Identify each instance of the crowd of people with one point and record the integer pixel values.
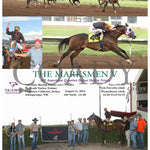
(80, 129)
(134, 130)
(17, 131)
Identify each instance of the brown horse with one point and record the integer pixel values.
(78, 42)
(116, 125)
(105, 2)
(13, 61)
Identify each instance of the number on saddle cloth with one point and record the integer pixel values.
(96, 40)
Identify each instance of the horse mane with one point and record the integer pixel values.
(117, 26)
(99, 119)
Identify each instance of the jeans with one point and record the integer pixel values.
(140, 139)
(12, 142)
(79, 137)
(72, 138)
(127, 133)
(35, 139)
(21, 138)
(85, 136)
(133, 139)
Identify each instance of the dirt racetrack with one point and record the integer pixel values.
(86, 62)
(90, 146)
(17, 8)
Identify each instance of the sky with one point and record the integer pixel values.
(28, 25)
(57, 108)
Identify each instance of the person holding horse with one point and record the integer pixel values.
(35, 53)
(98, 28)
(126, 126)
(11, 133)
(16, 36)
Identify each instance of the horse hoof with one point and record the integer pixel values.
(54, 65)
(115, 12)
(45, 6)
(129, 61)
(119, 143)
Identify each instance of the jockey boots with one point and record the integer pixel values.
(98, 34)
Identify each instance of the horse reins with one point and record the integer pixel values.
(124, 32)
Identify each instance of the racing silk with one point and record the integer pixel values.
(107, 115)
(15, 35)
(101, 25)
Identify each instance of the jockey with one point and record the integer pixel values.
(98, 28)
(16, 36)
(107, 115)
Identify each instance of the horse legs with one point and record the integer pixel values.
(119, 5)
(73, 55)
(114, 8)
(63, 56)
(104, 6)
(99, 4)
(127, 57)
(120, 51)
(103, 139)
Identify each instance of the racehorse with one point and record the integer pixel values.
(117, 124)
(13, 61)
(105, 2)
(48, 2)
(78, 42)
(74, 2)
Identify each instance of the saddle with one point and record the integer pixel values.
(96, 40)
(110, 123)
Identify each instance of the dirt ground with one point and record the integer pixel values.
(17, 8)
(86, 62)
(90, 146)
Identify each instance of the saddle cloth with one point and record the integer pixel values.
(96, 40)
(109, 124)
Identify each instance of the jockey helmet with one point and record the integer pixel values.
(16, 26)
(105, 108)
(108, 25)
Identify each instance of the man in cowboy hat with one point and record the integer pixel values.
(35, 53)
(34, 131)
(16, 35)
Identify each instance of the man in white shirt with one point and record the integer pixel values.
(79, 131)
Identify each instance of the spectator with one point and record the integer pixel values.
(20, 128)
(133, 132)
(79, 131)
(126, 126)
(34, 131)
(11, 133)
(72, 133)
(85, 131)
(140, 131)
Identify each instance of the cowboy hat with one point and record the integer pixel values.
(35, 119)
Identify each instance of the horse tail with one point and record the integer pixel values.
(63, 42)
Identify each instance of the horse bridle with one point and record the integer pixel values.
(130, 34)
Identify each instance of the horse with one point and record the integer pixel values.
(48, 2)
(74, 2)
(78, 42)
(116, 125)
(13, 61)
(105, 2)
